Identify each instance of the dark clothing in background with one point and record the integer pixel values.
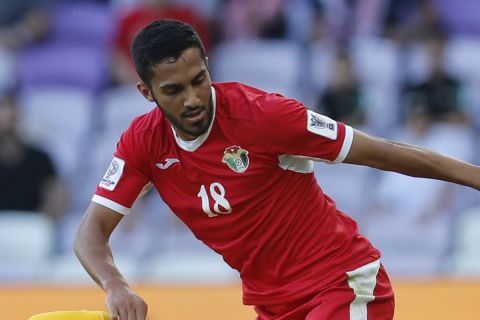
(340, 103)
(22, 184)
(440, 95)
(343, 104)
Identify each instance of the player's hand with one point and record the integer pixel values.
(124, 304)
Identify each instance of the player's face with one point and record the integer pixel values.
(182, 89)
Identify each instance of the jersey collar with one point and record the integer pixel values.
(193, 145)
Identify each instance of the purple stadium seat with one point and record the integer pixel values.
(78, 66)
(75, 53)
(82, 23)
(460, 16)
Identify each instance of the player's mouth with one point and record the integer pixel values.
(195, 115)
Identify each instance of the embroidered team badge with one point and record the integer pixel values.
(236, 158)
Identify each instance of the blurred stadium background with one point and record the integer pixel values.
(403, 69)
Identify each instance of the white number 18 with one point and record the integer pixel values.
(217, 192)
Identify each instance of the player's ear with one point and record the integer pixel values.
(145, 91)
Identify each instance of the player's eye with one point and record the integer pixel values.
(198, 81)
(171, 91)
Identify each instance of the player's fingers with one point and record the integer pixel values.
(123, 314)
(131, 314)
(141, 313)
(112, 310)
(113, 313)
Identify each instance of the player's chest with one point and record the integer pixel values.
(227, 161)
(215, 179)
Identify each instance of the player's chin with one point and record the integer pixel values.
(200, 128)
(196, 129)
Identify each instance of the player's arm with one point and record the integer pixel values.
(410, 160)
(93, 251)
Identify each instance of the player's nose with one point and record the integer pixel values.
(192, 98)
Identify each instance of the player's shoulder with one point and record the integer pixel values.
(143, 128)
(146, 122)
(237, 90)
(240, 99)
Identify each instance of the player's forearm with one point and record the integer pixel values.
(410, 160)
(94, 253)
(419, 162)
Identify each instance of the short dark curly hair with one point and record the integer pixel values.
(159, 40)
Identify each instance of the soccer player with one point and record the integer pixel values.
(234, 163)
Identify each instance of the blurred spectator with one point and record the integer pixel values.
(440, 92)
(22, 22)
(340, 18)
(297, 20)
(407, 20)
(28, 180)
(319, 26)
(134, 18)
(251, 19)
(368, 15)
(426, 21)
(342, 99)
(396, 15)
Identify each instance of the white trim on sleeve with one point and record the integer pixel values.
(296, 163)
(111, 204)
(347, 144)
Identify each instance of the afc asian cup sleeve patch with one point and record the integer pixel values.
(321, 125)
(113, 174)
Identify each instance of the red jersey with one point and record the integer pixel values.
(246, 188)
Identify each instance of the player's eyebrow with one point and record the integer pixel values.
(170, 85)
(201, 73)
(174, 85)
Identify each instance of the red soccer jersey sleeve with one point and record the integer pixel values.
(290, 128)
(127, 174)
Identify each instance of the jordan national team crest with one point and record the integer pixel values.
(236, 158)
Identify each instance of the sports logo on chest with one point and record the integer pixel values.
(236, 158)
